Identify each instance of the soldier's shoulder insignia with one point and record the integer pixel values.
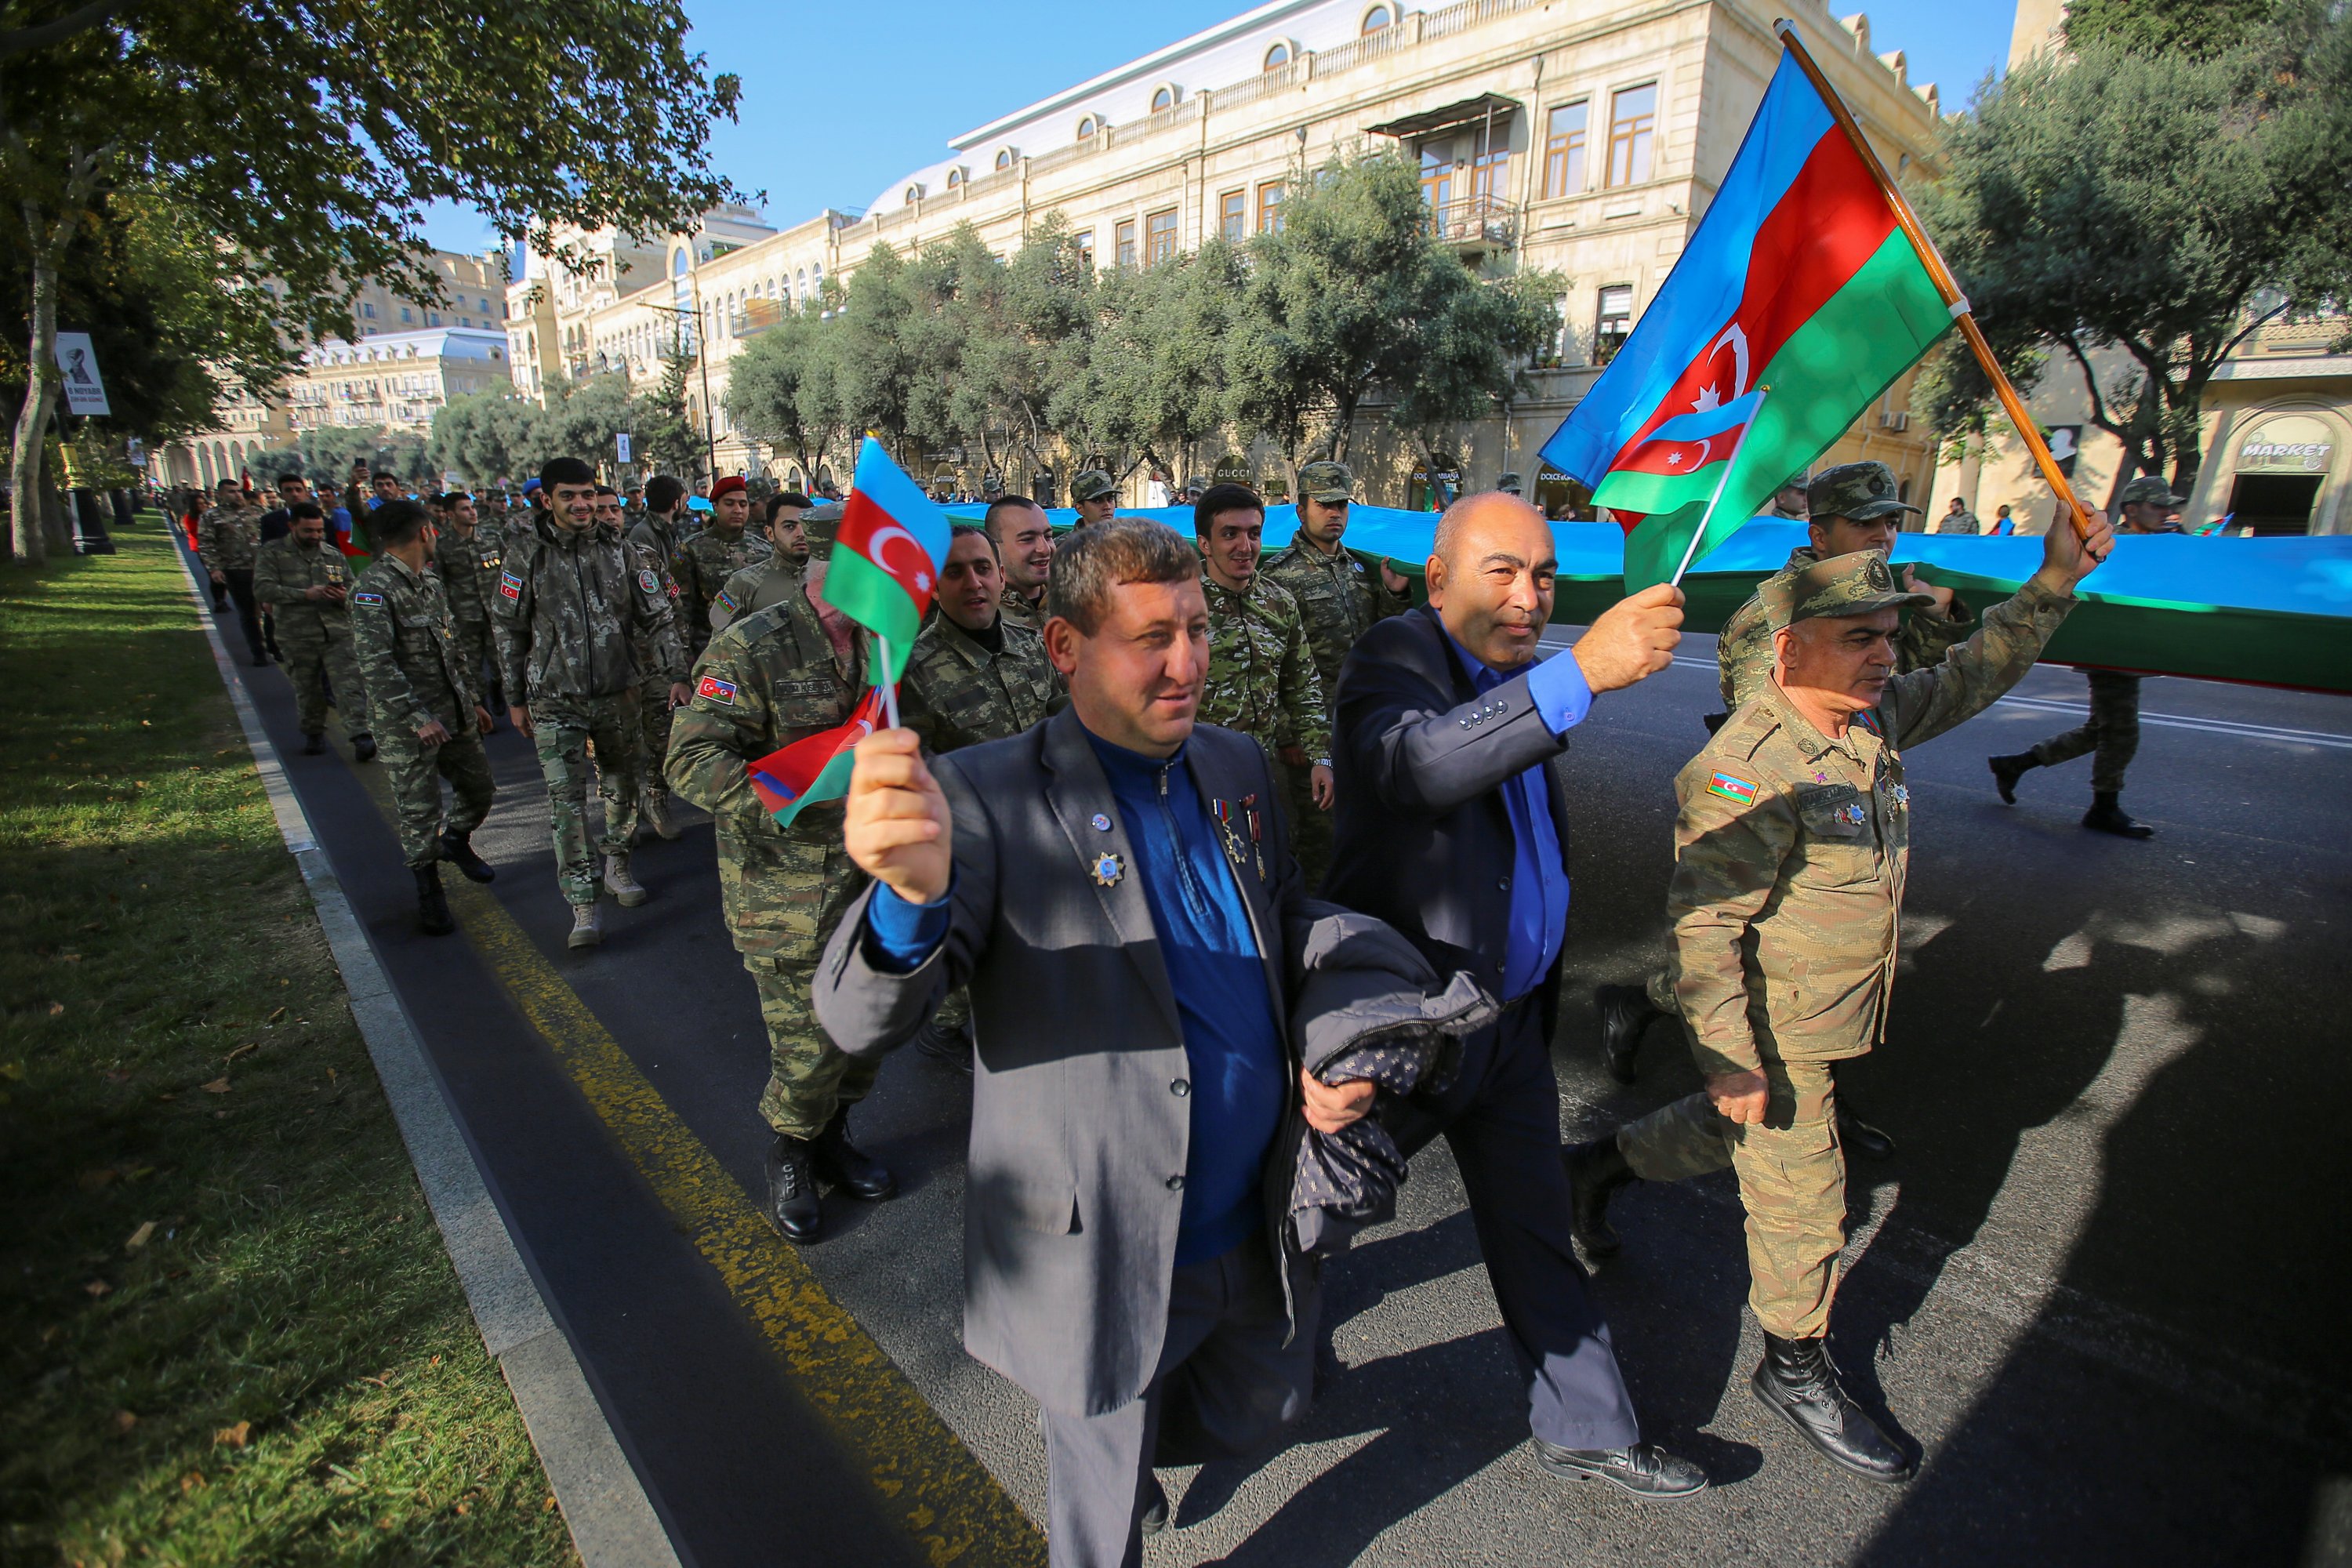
(1732, 789)
(647, 580)
(510, 585)
(726, 601)
(369, 598)
(718, 690)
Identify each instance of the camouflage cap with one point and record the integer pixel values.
(2148, 491)
(1862, 492)
(1092, 484)
(1510, 484)
(818, 526)
(1861, 583)
(1330, 483)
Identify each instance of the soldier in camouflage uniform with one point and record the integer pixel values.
(422, 685)
(468, 557)
(1025, 548)
(1261, 679)
(653, 705)
(1339, 597)
(304, 581)
(778, 577)
(572, 598)
(787, 672)
(1852, 507)
(227, 540)
(974, 676)
(708, 559)
(1791, 851)
(1095, 495)
(2113, 733)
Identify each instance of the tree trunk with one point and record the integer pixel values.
(27, 537)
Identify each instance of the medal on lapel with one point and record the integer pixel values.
(1108, 870)
(1228, 833)
(1257, 834)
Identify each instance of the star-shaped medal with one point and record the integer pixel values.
(1108, 870)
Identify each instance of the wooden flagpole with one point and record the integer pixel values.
(1946, 284)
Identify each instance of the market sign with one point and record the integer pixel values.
(2298, 443)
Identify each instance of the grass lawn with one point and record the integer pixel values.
(228, 1333)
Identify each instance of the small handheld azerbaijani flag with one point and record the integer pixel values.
(1682, 462)
(886, 556)
(814, 767)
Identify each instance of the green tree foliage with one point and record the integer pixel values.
(2199, 27)
(783, 389)
(2155, 203)
(875, 349)
(663, 433)
(486, 436)
(307, 136)
(580, 419)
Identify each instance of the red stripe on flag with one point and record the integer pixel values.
(864, 525)
(1830, 222)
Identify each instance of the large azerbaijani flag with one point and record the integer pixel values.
(814, 767)
(1798, 281)
(886, 558)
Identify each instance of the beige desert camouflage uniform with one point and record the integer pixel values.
(764, 682)
(314, 634)
(567, 613)
(1790, 850)
(468, 565)
(1338, 597)
(417, 669)
(703, 564)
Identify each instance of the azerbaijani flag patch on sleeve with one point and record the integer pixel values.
(365, 596)
(718, 690)
(1730, 788)
(726, 601)
(510, 585)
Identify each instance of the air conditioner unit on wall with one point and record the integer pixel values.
(1888, 420)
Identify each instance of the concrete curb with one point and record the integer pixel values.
(612, 1521)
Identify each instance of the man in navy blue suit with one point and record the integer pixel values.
(1453, 828)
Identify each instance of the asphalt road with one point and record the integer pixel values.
(2104, 1285)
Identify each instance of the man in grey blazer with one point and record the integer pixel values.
(1114, 888)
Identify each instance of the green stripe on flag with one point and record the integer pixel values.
(1855, 346)
(1628, 489)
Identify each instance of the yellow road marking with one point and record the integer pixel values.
(942, 1495)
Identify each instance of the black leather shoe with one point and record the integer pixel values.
(952, 1046)
(1625, 1013)
(792, 1189)
(847, 1166)
(1798, 1381)
(457, 849)
(2108, 817)
(433, 917)
(2007, 771)
(1595, 1171)
(1862, 1138)
(363, 748)
(1154, 1517)
(1645, 1470)
(314, 746)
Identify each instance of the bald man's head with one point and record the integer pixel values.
(1490, 577)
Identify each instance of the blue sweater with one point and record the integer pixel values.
(1239, 1072)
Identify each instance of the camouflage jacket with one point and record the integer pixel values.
(227, 537)
(468, 565)
(1019, 611)
(704, 564)
(658, 535)
(1790, 850)
(1262, 680)
(1743, 649)
(404, 637)
(956, 693)
(764, 682)
(285, 570)
(649, 559)
(1338, 596)
(568, 611)
(758, 586)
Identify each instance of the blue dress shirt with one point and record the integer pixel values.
(1538, 873)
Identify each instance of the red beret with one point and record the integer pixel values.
(728, 485)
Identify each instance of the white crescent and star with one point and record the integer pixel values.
(877, 544)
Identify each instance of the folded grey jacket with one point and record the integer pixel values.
(1370, 1008)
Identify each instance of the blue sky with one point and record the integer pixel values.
(816, 129)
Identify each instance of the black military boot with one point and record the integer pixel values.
(1595, 1171)
(847, 1166)
(457, 849)
(791, 1188)
(2108, 817)
(433, 917)
(2007, 771)
(952, 1046)
(1860, 1136)
(363, 748)
(1797, 1380)
(314, 746)
(1625, 1014)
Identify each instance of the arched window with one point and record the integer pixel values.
(1087, 126)
(914, 194)
(1278, 56)
(1163, 97)
(1378, 17)
(678, 262)
(955, 178)
(1004, 157)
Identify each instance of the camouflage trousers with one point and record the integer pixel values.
(2112, 733)
(653, 715)
(784, 894)
(1792, 1171)
(478, 651)
(316, 658)
(1310, 825)
(566, 727)
(416, 770)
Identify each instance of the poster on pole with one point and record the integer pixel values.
(85, 392)
(621, 445)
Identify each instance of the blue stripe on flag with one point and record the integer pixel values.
(884, 483)
(1708, 422)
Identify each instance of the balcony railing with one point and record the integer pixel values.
(1480, 220)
